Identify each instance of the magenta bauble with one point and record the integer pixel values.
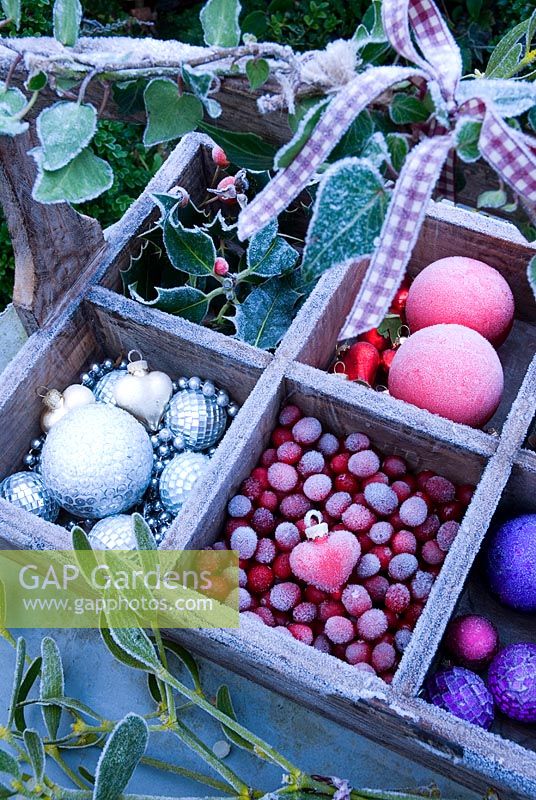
(471, 640)
(512, 681)
(449, 370)
(462, 291)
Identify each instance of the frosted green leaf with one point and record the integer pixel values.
(135, 643)
(348, 215)
(169, 114)
(11, 101)
(406, 109)
(258, 72)
(187, 659)
(9, 126)
(67, 16)
(243, 149)
(268, 254)
(186, 301)
(119, 654)
(308, 123)
(201, 84)
(8, 764)
(376, 150)
(398, 149)
(20, 658)
(36, 751)
(11, 9)
(494, 198)
(120, 757)
(509, 50)
(37, 81)
(142, 533)
(371, 29)
(189, 249)
(355, 138)
(219, 19)
(52, 683)
(64, 130)
(29, 679)
(225, 704)
(531, 274)
(510, 98)
(467, 137)
(264, 316)
(82, 179)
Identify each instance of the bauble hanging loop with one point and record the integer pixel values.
(142, 393)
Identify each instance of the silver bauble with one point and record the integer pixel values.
(113, 533)
(179, 477)
(200, 419)
(104, 388)
(97, 461)
(27, 490)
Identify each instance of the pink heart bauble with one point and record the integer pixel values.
(328, 562)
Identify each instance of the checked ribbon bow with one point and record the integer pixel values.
(511, 153)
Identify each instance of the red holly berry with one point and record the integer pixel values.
(221, 267)
(260, 474)
(289, 416)
(339, 463)
(219, 157)
(399, 303)
(227, 183)
(269, 457)
(346, 483)
(268, 499)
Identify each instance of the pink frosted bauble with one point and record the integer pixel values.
(472, 641)
(462, 291)
(449, 370)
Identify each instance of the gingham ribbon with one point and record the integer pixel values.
(509, 152)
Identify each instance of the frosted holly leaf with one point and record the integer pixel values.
(264, 316)
(170, 115)
(348, 215)
(219, 19)
(190, 250)
(82, 179)
(509, 98)
(64, 130)
(201, 84)
(185, 301)
(268, 254)
(120, 757)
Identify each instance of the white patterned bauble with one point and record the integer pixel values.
(200, 419)
(97, 461)
(179, 478)
(104, 388)
(27, 490)
(113, 533)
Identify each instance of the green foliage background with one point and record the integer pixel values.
(303, 24)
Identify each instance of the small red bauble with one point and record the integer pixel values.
(361, 362)
(376, 339)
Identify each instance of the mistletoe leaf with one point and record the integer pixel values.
(531, 274)
(286, 155)
(190, 250)
(219, 19)
(67, 18)
(29, 679)
(264, 316)
(258, 72)
(82, 179)
(245, 150)
(52, 683)
(11, 9)
(508, 51)
(406, 109)
(185, 301)
(64, 130)
(187, 659)
(201, 84)
(268, 254)
(36, 751)
(118, 653)
(143, 534)
(224, 703)
(20, 659)
(349, 211)
(467, 138)
(8, 764)
(136, 644)
(120, 757)
(169, 114)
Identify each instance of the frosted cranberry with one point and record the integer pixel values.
(451, 511)
(287, 536)
(311, 463)
(356, 442)
(440, 490)
(307, 430)
(402, 490)
(367, 668)
(381, 498)
(322, 644)
(368, 565)
(336, 594)
(421, 585)
(330, 608)
(394, 466)
(244, 599)
(282, 477)
(339, 630)
(428, 529)
(464, 493)
(376, 587)
(260, 474)
(372, 624)
(269, 457)
(243, 563)
(403, 566)
(356, 599)
(364, 541)
(220, 546)
(281, 567)
(285, 596)
(403, 542)
(358, 518)
(289, 416)
(245, 541)
(302, 633)
(232, 524)
(380, 532)
(402, 639)
(378, 477)
(397, 598)
(280, 435)
(423, 477)
(395, 521)
(260, 578)
(383, 554)
(317, 487)
(359, 499)
(294, 506)
(304, 612)
(314, 595)
(289, 453)
(266, 615)
(392, 619)
(281, 618)
(239, 506)
(412, 615)
(383, 657)
(364, 463)
(242, 578)
(251, 488)
(346, 483)
(413, 511)
(339, 463)
(328, 444)
(265, 552)
(268, 500)
(446, 535)
(358, 653)
(432, 553)
(263, 521)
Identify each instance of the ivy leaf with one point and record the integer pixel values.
(531, 274)
(128, 96)
(120, 757)
(9, 126)
(264, 316)
(289, 151)
(355, 138)
(12, 102)
(8, 764)
(36, 750)
(37, 81)
(64, 130)
(170, 115)
(268, 254)
(467, 138)
(189, 249)
(390, 326)
(52, 683)
(11, 9)
(376, 150)
(398, 147)
(225, 704)
(257, 24)
(82, 179)
(349, 211)
(219, 19)
(20, 658)
(371, 29)
(67, 18)
(185, 301)
(245, 150)
(406, 109)
(495, 198)
(201, 83)
(258, 72)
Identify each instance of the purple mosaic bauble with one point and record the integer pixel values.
(512, 681)
(511, 556)
(463, 693)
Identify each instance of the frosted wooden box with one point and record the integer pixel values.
(93, 321)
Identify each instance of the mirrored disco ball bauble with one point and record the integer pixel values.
(97, 461)
(198, 418)
(512, 681)
(104, 388)
(27, 490)
(113, 533)
(179, 477)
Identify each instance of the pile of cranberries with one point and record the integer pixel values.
(356, 589)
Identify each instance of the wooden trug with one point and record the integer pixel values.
(94, 321)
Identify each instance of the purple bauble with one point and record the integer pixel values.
(463, 693)
(512, 681)
(511, 556)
